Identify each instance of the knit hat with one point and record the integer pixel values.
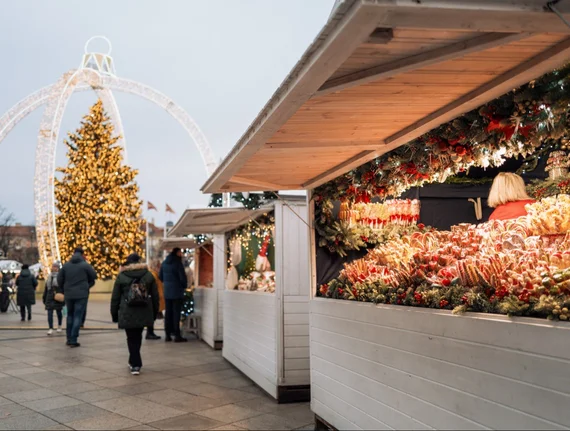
(133, 258)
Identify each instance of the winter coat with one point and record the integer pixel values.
(27, 284)
(76, 277)
(49, 293)
(173, 276)
(161, 304)
(129, 317)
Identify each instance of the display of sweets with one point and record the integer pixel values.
(378, 215)
(557, 159)
(550, 216)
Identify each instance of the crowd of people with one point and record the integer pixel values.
(141, 294)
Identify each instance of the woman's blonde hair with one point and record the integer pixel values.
(507, 187)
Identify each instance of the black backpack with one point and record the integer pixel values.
(138, 294)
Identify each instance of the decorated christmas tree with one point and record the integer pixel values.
(96, 197)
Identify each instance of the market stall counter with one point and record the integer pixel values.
(465, 328)
(261, 279)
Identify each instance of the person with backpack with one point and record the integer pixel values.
(75, 279)
(26, 293)
(53, 298)
(134, 306)
(173, 277)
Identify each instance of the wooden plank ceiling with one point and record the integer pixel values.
(363, 89)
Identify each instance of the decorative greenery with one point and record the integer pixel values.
(539, 189)
(516, 124)
(252, 201)
(96, 197)
(463, 181)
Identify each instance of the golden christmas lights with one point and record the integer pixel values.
(97, 198)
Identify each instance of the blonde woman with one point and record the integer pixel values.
(508, 196)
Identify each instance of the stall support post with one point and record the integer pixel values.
(220, 247)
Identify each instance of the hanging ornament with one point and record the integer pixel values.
(262, 263)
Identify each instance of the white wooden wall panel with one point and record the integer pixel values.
(293, 277)
(206, 304)
(250, 336)
(413, 368)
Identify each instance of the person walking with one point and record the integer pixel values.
(134, 305)
(51, 292)
(173, 276)
(26, 294)
(75, 279)
(154, 269)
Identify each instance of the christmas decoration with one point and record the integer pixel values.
(250, 253)
(495, 267)
(187, 305)
(539, 189)
(535, 116)
(253, 201)
(97, 198)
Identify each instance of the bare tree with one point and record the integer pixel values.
(6, 221)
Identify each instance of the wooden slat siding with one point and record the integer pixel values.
(250, 336)
(205, 303)
(295, 279)
(371, 413)
(220, 264)
(441, 370)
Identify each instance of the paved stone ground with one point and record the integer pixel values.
(46, 385)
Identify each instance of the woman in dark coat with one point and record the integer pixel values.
(130, 317)
(26, 296)
(49, 298)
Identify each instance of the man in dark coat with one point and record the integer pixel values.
(75, 278)
(26, 296)
(134, 318)
(173, 276)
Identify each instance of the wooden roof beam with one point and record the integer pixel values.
(255, 183)
(327, 145)
(538, 65)
(380, 36)
(408, 64)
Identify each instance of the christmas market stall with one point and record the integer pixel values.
(413, 327)
(210, 259)
(265, 277)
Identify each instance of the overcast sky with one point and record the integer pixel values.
(219, 60)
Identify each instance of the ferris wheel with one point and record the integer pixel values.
(96, 72)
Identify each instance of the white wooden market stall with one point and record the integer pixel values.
(209, 274)
(378, 75)
(265, 335)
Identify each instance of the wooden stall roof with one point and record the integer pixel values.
(180, 242)
(383, 72)
(213, 220)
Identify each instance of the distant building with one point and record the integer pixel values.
(19, 243)
(155, 234)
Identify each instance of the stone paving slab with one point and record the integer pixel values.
(46, 385)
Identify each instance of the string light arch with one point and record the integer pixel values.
(96, 72)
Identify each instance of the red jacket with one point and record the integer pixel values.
(510, 210)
